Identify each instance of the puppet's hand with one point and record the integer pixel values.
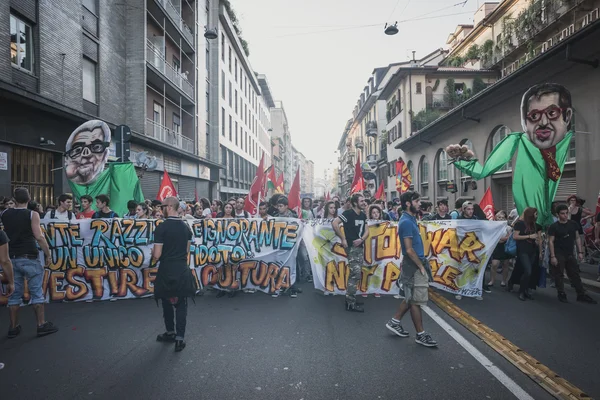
(458, 152)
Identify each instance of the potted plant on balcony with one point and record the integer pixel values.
(474, 53)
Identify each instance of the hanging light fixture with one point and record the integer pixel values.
(210, 33)
(391, 29)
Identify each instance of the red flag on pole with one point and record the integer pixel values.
(166, 188)
(487, 204)
(403, 178)
(380, 195)
(280, 188)
(327, 197)
(257, 189)
(294, 202)
(358, 184)
(196, 195)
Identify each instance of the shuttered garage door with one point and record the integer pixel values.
(507, 200)
(566, 187)
(150, 184)
(186, 189)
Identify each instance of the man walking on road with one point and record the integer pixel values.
(355, 233)
(22, 226)
(563, 236)
(414, 276)
(174, 281)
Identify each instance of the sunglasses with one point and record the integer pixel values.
(552, 113)
(95, 147)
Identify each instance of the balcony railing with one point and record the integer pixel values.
(179, 22)
(359, 144)
(372, 128)
(155, 57)
(371, 158)
(169, 136)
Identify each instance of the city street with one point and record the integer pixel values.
(257, 347)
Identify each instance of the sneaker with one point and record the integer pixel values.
(113, 299)
(166, 337)
(397, 329)
(397, 296)
(326, 293)
(275, 295)
(354, 307)
(584, 298)
(89, 301)
(425, 340)
(298, 290)
(179, 345)
(365, 295)
(13, 333)
(478, 298)
(309, 279)
(562, 297)
(458, 297)
(377, 295)
(487, 289)
(47, 328)
(293, 294)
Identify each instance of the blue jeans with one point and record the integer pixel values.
(33, 271)
(175, 316)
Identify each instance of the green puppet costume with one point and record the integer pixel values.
(531, 186)
(119, 181)
(543, 147)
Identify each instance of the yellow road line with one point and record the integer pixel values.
(544, 376)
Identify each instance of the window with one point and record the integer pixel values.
(236, 102)
(442, 166)
(230, 95)
(572, 150)
(230, 66)
(230, 129)
(176, 64)
(223, 84)
(419, 87)
(236, 134)
(21, 44)
(499, 134)
(176, 123)
(223, 122)
(424, 177)
(222, 47)
(90, 5)
(236, 70)
(89, 80)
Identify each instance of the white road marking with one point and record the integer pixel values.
(511, 385)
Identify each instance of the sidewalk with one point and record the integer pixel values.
(589, 274)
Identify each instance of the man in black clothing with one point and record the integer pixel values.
(22, 226)
(442, 206)
(353, 238)
(468, 211)
(563, 236)
(104, 211)
(174, 281)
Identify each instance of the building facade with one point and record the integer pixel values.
(244, 117)
(69, 62)
(281, 131)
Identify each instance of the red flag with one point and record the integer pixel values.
(272, 179)
(196, 195)
(166, 188)
(328, 197)
(257, 189)
(487, 204)
(358, 184)
(294, 202)
(403, 178)
(279, 188)
(380, 195)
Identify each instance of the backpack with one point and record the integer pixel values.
(454, 214)
(510, 247)
(53, 214)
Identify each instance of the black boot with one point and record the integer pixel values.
(354, 307)
(179, 345)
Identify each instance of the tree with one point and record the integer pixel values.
(478, 85)
(236, 26)
(473, 53)
(424, 118)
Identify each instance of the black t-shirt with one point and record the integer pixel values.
(3, 238)
(174, 235)
(528, 246)
(564, 236)
(437, 216)
(17, 226)
(100, 214)
(354, 225)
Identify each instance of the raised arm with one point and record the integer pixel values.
(500, 155)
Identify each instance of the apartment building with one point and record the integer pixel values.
(559, 46)
(281, 132)
(72, 61)
(244, 117)
(417, 92)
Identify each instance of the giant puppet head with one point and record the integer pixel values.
(87, 152)
(546, 114)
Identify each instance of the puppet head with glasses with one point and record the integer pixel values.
(87, 152)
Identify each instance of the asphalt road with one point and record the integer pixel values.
(257, 347)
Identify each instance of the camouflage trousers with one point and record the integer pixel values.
(355, 261)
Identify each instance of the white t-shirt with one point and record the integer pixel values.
(61, 216)
(206, 212)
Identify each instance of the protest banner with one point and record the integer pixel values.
(458, 252)
(110, 258)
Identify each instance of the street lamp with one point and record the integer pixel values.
(391, 29)
(210, 33)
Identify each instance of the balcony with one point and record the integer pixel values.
(169, 136)
(372, 158)
(157, 59)
(382, 154)
(359, 144)
(372, 129)
(178, 21)
(439, 102)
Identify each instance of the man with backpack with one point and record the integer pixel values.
(64, 210)
(457, 209)
(239, 208)
(104, 211)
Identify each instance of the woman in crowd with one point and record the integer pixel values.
(216, 208)
(206, 210)
(330, 210)
(157, 214)
(528, 235)
(227, 211)
(578, 213)
(307, 208)
(197, 211)
(142, 211)
(375, 212)
(499, 256)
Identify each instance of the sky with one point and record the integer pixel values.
(319, 54)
